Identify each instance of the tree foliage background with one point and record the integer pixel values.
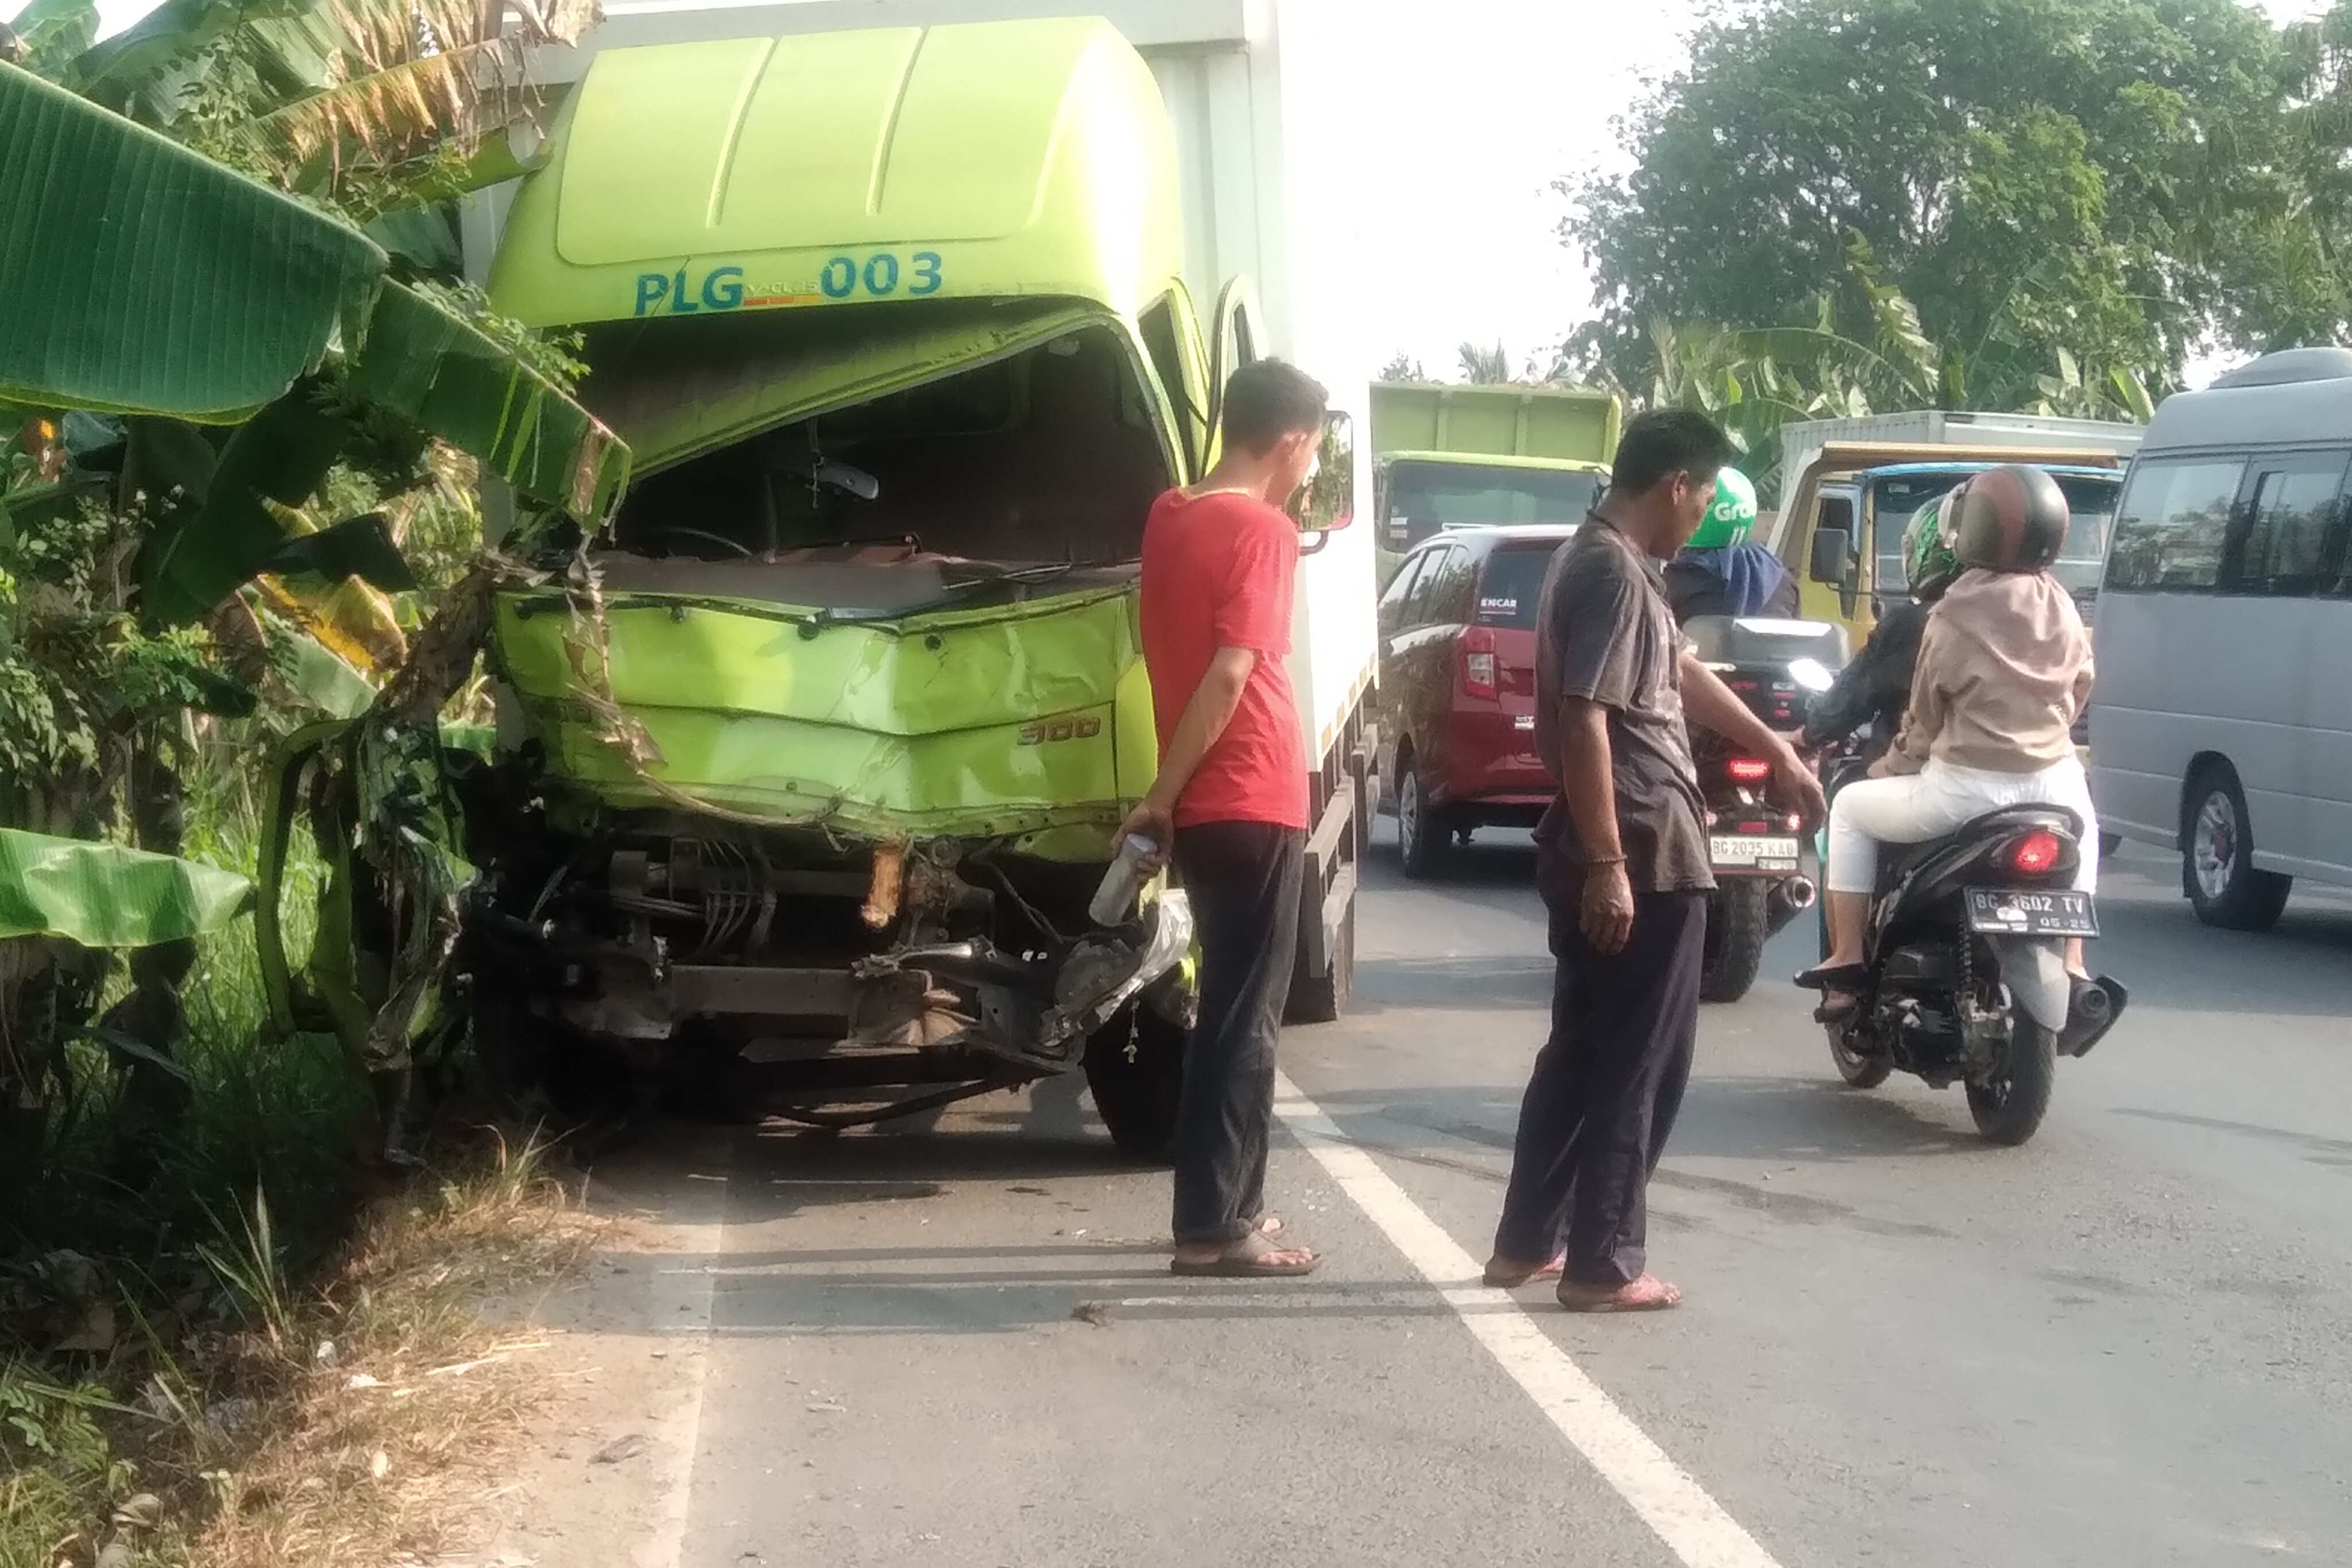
(2073, 196)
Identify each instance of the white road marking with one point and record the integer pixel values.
(1692, 1525)
(679, 1308)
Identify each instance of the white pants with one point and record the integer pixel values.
(1929, 803)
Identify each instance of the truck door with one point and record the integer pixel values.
(1237, 338)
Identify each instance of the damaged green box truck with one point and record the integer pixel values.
(812, 761)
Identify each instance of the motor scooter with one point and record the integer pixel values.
(1965, 963)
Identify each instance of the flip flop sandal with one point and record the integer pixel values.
(1247, 1258)
(1509, 1273)
(1647, 1294)
(1837, 1006)
(1833, 977)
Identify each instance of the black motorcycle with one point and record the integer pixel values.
(1965, 959)
(1766, 869)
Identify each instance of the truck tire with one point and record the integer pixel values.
(1736, 920)
(1424, 840)
(1323, 998)
(1135, 1066)
(2217, 856)
(530, 1072)
(2008, 1109)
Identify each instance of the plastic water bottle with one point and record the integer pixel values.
(1122, 883)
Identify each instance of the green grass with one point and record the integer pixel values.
(198, 1230)
(166, 1287)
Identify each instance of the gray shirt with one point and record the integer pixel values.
(1605, 632)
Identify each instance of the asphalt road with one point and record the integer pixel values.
(2128, 1342)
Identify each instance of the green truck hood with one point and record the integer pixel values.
(1030, 719)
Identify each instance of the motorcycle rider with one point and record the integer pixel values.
(1875, 687)
(2002, 671)
(1719, 572)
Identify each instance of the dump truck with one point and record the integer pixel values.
(819, 751)
(1453, 456)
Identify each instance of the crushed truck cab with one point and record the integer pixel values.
(817, 755)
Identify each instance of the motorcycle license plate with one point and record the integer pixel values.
(2009, 911)
(1752, 852)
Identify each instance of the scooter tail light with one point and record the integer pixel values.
(2036, 853)
(1751, 769)
(1480, 677)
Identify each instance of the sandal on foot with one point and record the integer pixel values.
(1647, 1294)
(1250, 1258)
(1509, 1273)
(1837, 1006)
(1833, 977)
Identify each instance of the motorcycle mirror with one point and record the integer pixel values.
(1810, 674)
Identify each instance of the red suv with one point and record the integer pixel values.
(1458, 687)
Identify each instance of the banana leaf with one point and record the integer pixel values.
(324, 681)
(160, 282)
(444, 374)
(280, 455)
(155, 280)
(55, 31)
(110, 896)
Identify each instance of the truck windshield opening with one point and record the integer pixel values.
(1423, 497)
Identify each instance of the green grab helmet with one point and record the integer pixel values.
(1730, 517)
(1928, 561)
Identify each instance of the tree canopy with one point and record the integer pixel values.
(2068, 188)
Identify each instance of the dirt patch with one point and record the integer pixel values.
(596, 1472)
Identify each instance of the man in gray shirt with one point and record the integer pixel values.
(1621, 860)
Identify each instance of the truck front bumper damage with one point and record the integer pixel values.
(1034, 1010)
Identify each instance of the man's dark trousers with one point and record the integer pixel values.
(1243, 879)
(1606, 1086)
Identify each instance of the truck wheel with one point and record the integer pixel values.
(1323, 998)
(532, 1072)
(2217, 857)
(1424, 841)
(1135, 1066)
(1737, 918)
(2009, 1109)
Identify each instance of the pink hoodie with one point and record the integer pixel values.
(2003, 672)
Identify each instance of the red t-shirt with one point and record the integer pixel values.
(1217, 573)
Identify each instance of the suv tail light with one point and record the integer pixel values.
(1751, 769)
(2036, 853)
(1480, 677)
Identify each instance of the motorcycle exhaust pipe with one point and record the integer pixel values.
(1789, 897)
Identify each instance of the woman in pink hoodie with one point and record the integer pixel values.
(2003, 671)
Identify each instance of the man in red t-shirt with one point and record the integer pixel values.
(1230, 802)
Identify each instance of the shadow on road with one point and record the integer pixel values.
(1470, 983)
(1763, 1119)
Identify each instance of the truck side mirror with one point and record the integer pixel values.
(1326, 502)
(1832, 560)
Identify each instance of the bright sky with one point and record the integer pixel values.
(1471, 110)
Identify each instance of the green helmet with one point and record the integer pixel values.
(1929, 562)
(1730, 516)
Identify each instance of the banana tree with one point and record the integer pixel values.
(384, 108)
(244, 341)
